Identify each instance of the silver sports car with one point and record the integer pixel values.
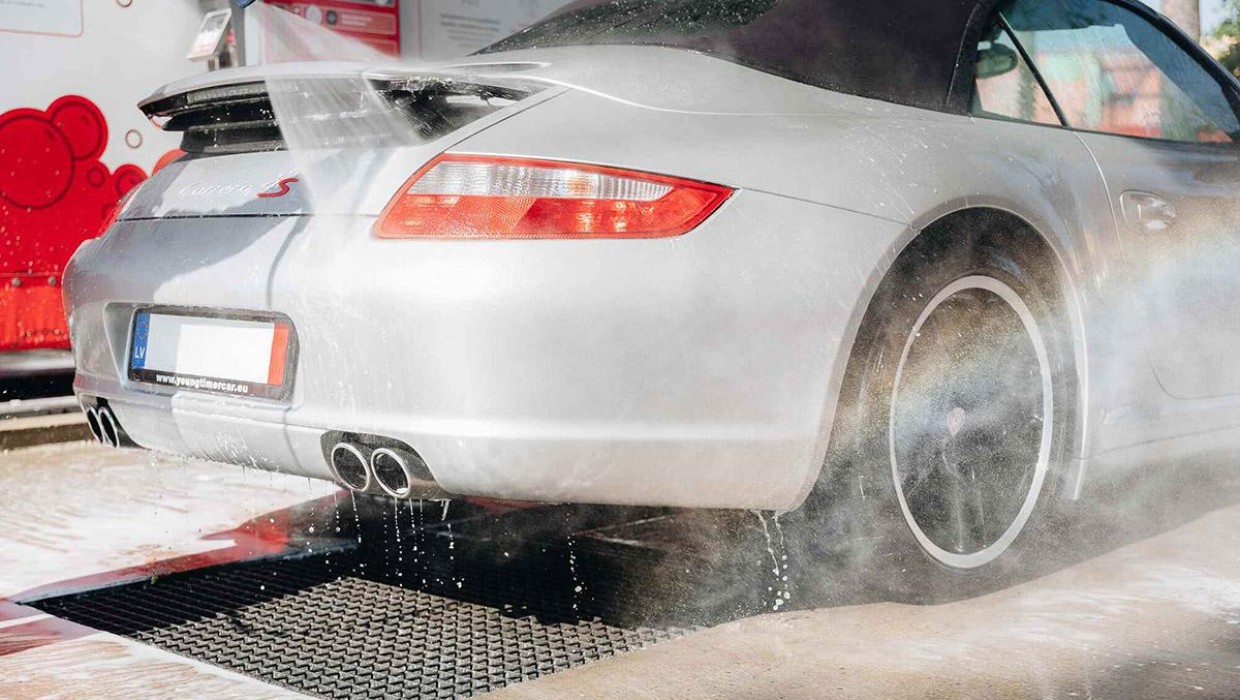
(958, 258)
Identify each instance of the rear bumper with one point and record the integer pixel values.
(697, 371)
(518, 461)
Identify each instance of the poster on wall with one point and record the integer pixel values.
(449, 28)
(55, 17)
(375, 23)
(210, 37)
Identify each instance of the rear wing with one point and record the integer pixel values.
(327, 105)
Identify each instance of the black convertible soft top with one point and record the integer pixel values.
(903, 51)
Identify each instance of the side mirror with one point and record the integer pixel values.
(996, 60)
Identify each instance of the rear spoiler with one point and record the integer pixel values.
(231, 111)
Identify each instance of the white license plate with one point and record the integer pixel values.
(222, 355)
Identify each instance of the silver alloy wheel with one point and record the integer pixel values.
(983, 357)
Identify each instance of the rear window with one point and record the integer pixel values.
(862, 48)
(680, 23)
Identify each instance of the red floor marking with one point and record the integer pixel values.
(41, 630)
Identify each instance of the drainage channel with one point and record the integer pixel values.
(427, 609)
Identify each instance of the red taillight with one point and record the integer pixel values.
(468, 196)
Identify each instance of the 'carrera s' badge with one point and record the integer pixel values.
(281, 188)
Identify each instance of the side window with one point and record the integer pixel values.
(1110, 70)
(1005, 87)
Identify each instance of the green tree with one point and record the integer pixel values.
(1229, 31)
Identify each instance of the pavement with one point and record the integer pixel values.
(78, 516)
(27, 422)
(1140, 600)
(1156, 619)
(28, 431)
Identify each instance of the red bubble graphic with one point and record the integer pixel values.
(54, 194)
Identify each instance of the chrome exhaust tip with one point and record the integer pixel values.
(109, 428)
(402, 473)
(392, 473)
(350, 466)
(92, 422)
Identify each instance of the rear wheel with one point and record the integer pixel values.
(971, 422)
(954, 421)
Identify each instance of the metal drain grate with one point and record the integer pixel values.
(427, 607)
(303, 625)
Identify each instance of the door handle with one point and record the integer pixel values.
(1147, 213)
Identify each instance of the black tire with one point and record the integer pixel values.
(956, 416)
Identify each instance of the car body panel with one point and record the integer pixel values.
(912, 170)
(701, 370)
(668, 371)
(1182, 260)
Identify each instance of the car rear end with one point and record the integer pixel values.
(511, 325)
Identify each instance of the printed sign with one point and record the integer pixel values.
(375, 23)
(210, 35)
(459, 27)
(57, 17)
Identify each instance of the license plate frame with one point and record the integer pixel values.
(284, 347)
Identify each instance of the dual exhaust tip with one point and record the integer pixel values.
(397, 472)
(104, 427)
